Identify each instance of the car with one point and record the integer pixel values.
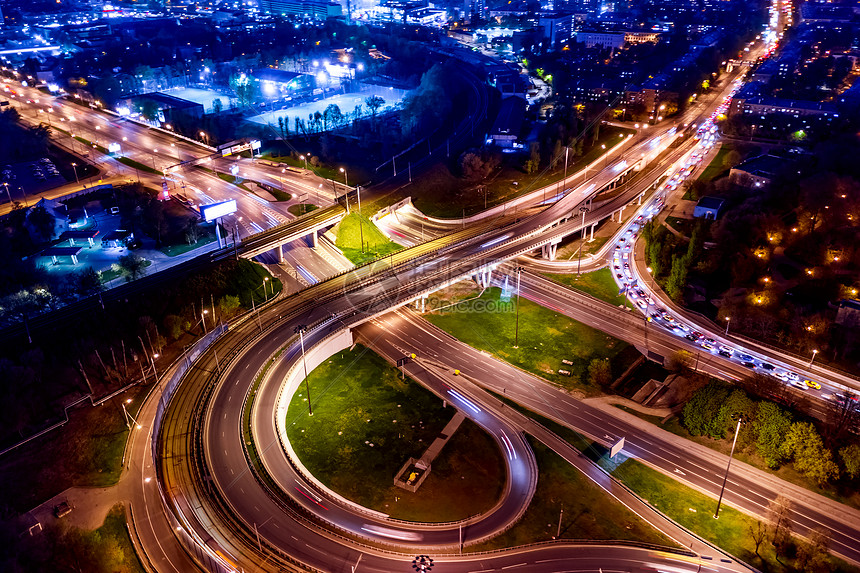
(707, 346)
(767, 366)
(691, 337)
(727, 349)
(641, 304)
(618, 276)
(748, 364)
(725, 353)
(798, 384)
(791, 375)
(745, 357)
(710, 341)
(812, 384)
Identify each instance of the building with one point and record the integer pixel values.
(604, 39)
(757, 172)
(163, 107)
(760, 105)
(557, 28)
(848, 313)
(311, 9)
(506, 129)
(708, 208)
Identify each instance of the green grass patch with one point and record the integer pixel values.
(680, 224)
(280, 195)
(301, 209)
(114, 531)
(85, 452)
(182, 248)
(116, 271)
(589, 512)
(92, 145)
(695, 511)
(367, 422)
(233, 181)
(715, 167)
(138, 165)
(599, 284)
(545, 336)
(355, 228)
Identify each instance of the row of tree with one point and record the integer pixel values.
(769, 431)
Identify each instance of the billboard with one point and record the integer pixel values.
(213, 211)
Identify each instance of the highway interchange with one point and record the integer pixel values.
(201, 461)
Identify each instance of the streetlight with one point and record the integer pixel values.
(814, 352)
(203, 319)
(300, 329)
(265, 288)
(7, 192)
(128, 415)
(305, 159)
(75, 167)
(152, 361)
(519, 270)
(582, 210)
(728, 321)
(741, 420)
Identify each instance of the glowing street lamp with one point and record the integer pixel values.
(814, 352)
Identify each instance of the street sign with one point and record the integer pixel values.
(616, 447)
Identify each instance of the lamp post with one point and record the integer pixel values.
(300, 329)
(305, 159)
(814, 352)
(519, 270)
(7, 191)
(266, 289)
(582, 210)
(741, 420)
(128, 415)
(75, 168)
(728, 321)
(203, 319)
(152, 361)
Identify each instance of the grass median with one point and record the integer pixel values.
(368, 422)
(598, 284)
(360, 240)
(545, 337)
(568, 504)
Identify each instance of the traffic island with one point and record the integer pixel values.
(367, 421)
(414, 472)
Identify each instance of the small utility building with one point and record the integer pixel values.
(708, 207)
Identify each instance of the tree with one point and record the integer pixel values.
(533, 162)
(42, 221)
(803, 443)
(851, 459)
(148, 109)
(758, 532)
(132, 265)
(778, 515)
(173, 326)
(217, 106)
(677, 278)
(477, 165)
(771, 425)
(89, 282)
(600, 372)
(373, 103)
(731, 159)
(228, 305)
(812, 553)
(703, 406)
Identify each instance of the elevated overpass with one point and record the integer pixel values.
(276, 237)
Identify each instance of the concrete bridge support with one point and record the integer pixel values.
(484, 277)
(549, 251)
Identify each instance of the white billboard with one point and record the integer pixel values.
(213, 211)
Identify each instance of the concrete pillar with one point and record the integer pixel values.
(92, 243)
(592, 232)
(314, 239)
(71, 242)
(280, 249)
(423, 302)
(54, 259)
(75, 260)
(640, 198)
(549, 251)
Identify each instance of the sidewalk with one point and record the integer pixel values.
(447, 433)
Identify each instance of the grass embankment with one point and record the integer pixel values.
(843, 491)
(355, 228)
(589, 512)
(282, 196)
(301, 209)
(546, 337)
(138, 165)
(443, 193)
(682, 504)
(695, 511)
(367, 422)
(233, 181)
(598, 284)
(716, 167)
(112, 273)
(87, 451)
